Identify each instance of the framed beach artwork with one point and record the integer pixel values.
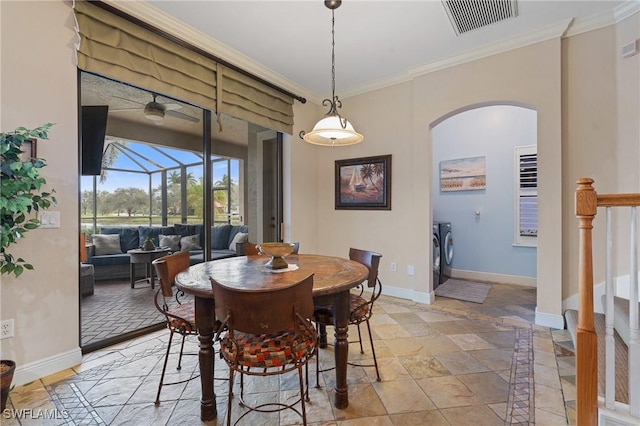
(363, 183)
(463, 174)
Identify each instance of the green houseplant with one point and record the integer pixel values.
(21, 194)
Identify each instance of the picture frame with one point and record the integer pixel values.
(29, 150)
(463, 174)
(363, 183)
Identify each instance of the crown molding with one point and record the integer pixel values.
(626, 10)
(605, 19)
(564, 29)
(158, 18)
(549, 33)
(554, 31)
(148, 13)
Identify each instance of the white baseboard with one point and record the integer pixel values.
(493, 278)
(47, 366)
(549, 320)
(408, 294)
(422, 297)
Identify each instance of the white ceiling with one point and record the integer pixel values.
(376, 42)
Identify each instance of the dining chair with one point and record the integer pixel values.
(248, 249)
(178, 309)
(265, 333)
(361, 307)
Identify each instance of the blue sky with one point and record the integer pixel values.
(152, 160)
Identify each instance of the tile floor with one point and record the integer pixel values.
(449, 363)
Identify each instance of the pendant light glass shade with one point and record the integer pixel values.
(329, 132)
(333, 129)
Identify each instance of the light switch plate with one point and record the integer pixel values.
(49, 219)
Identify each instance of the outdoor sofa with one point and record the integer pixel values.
(108, 252)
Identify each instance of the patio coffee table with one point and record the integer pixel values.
(146, 257)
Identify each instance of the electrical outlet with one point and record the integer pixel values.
(410, 270)
(394, 266)
(6, 329)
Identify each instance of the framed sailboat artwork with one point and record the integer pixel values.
(363, 183)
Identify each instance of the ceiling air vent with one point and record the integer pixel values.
(469, 15)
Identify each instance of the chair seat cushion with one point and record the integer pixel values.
(187, 320)
(359, 311)
(269, 350)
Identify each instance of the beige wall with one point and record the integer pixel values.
(384, 117)
(601, 135)
(397, 120)
(582, 90)
(301, 215)
(529, 76)
(38, 80)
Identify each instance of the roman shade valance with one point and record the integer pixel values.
(118, 48)
(243, 97)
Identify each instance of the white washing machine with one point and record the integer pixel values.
(436, 255)
(446, 250)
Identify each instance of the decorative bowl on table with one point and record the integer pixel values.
(276, 251)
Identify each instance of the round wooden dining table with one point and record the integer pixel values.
(333, 277)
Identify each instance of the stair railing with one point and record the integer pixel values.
(586, 203)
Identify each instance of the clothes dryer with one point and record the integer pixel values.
(436, 255)
(446, 250)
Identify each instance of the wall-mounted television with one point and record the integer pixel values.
(94, 130)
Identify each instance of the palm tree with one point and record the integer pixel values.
(367, 171)
(378, 169)
(110, 156)
(175, 178)
(224, 181)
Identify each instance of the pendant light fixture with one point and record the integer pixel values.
(333, 129)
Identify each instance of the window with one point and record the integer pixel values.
(526, 196)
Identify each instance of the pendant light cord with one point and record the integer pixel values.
(333, 55)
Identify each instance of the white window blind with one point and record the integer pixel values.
(526, 191)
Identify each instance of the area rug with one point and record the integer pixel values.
(468, 291)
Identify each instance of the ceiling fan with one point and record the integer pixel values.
(155, 111)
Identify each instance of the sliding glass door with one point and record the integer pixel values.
(155, 173)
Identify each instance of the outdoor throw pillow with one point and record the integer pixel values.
(172, 242)
(106, 244)
(190, 242)
(240, 237)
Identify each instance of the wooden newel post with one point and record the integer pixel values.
(586, 338)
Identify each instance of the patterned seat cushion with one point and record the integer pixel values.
(359, 311)
(187, 320)
(273, 350)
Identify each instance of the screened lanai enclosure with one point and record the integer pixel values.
(163, 164)
(146, 184)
